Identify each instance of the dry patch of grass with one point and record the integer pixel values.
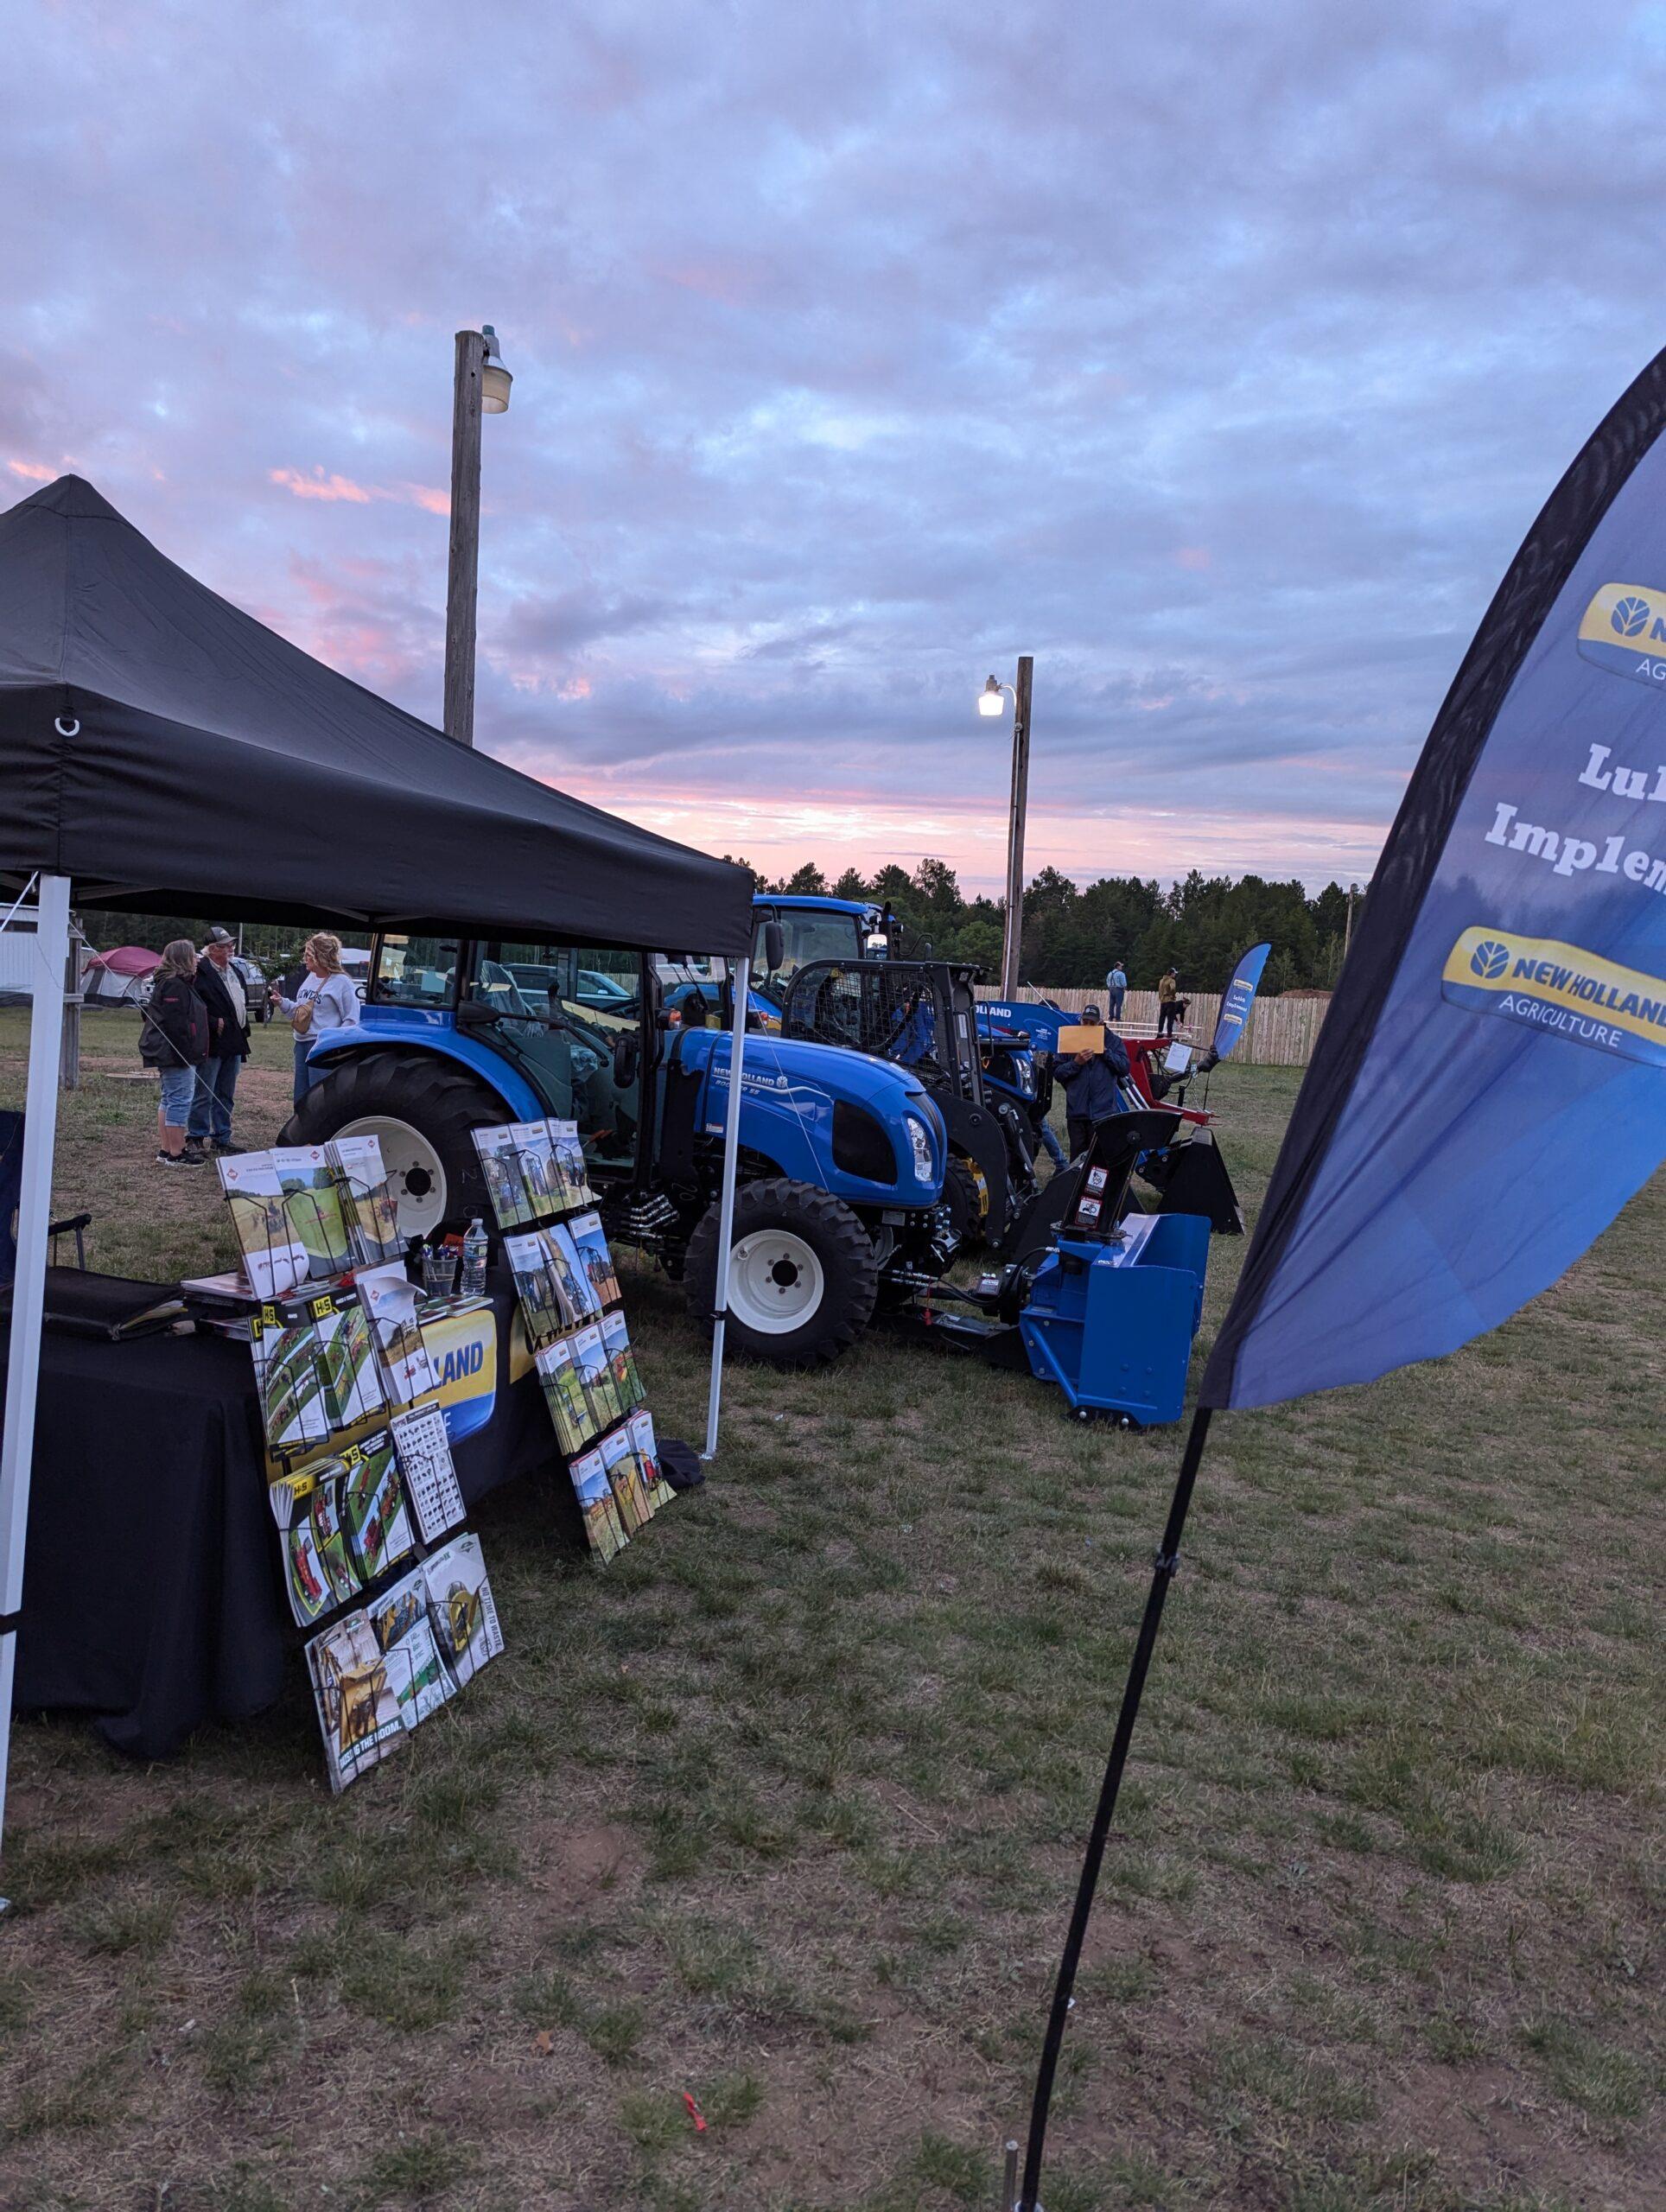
(785, 1809)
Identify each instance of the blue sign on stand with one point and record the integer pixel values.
(1240, 996)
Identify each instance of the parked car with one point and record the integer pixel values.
(255, 988)
(597, 993)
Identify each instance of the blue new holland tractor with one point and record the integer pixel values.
(843, 1158)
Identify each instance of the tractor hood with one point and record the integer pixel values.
(796, 1089)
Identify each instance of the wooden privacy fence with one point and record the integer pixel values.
(1280, 1034)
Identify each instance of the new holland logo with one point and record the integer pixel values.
(1560, 990)
(1630, 618)
(462, 1349)
(1624, 630)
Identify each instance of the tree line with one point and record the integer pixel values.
(1198, 926)
(1072, 936)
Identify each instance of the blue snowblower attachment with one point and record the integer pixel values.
(1108, 1309)
(1112, 1323)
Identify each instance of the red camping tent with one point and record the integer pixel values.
(125, 960)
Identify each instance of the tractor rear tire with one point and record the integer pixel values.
(425, 1109)
(803, 1278)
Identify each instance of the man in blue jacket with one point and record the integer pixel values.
(1092, 1086)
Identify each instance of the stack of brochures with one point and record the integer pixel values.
(382, 1669)
(571, 1308)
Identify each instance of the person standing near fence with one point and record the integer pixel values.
(1168, 998)
(1116, 991)
(174, 1038)
(326, 1004)
(221, 990)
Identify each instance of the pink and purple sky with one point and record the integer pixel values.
(1219, 358)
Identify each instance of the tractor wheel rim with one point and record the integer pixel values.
(776, 1281)
(416, 1174)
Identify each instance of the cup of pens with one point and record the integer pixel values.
(439, 1269)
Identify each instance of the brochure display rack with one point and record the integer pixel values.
(361, 1481)
(571, 1306)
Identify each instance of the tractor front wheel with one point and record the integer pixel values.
(423, 1111)
(803, 1274)
(966, 1194)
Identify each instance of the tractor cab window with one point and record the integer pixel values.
(806, 936)
(560, 1015)
(415, 971)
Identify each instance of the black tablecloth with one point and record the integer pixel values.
(153, 1591)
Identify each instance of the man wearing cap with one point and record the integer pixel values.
(1092, 1084)
(222, 992)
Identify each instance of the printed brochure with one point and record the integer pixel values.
(573, 1175)
(590, 1358)
(621, 1361)
(403, 1628)
(359, 1711)
(430, 1477)
(274, 1258)
(313, 1203)
(564, 1393)
(604, 1531)
(367, 1204)
(572, 1278)
(542, 1307)
(289, 1378)
(390, 1302)
(373, 1506)
(535, 1153)
(595, 1258)
(647, 1451)
(624, 1474)
(464, 1618)
(499, 1157)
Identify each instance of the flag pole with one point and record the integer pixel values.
(1164, 1566)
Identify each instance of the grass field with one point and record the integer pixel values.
(786, 1808)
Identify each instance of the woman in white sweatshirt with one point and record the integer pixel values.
(330, 1003)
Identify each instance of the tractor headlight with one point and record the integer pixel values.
(920, 1138)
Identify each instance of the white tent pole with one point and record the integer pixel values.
(742, 974)
(28, 1289)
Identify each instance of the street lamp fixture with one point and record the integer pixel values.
(495, 379)
(991, 703)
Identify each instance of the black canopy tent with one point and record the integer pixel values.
(168, 752)
(162, 751)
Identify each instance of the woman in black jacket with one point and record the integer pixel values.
(173, 1039)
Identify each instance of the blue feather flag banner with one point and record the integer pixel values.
(1237, 999)
(1490, 1085)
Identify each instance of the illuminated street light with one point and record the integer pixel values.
(991, 702)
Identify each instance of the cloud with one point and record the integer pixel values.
(1220, 361)
(318, 485)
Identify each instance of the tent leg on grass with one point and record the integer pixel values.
(1162, 1573)
(742, 977)
(28, 1289)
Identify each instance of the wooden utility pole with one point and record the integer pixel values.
(69, 1071)
(1013, 942)
(462, 579)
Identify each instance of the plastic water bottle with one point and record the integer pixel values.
(474, 1251)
